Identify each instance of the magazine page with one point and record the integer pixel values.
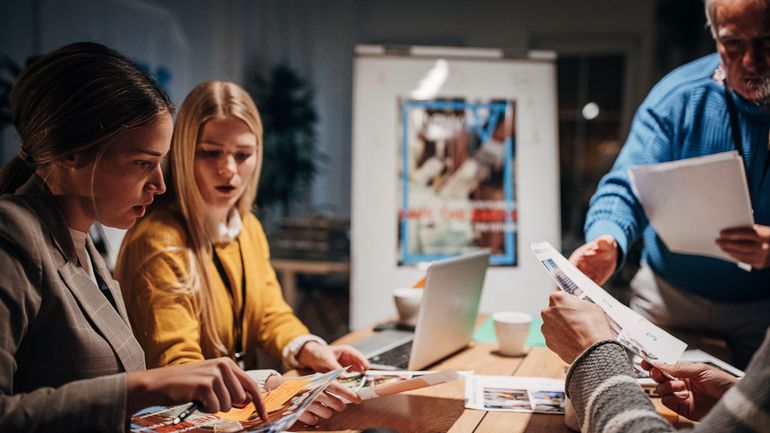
(379, 383)
(515, 394)
(634, 332)
(284, 406)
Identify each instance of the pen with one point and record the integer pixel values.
(185, 413)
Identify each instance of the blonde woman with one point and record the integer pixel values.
(195, 272)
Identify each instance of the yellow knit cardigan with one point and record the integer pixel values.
(153, 271)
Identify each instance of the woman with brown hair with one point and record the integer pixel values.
(94, 129)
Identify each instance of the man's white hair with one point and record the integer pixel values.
(711, 14)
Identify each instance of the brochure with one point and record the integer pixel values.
(379, 383)
(284, 406)
(633, 331)
(515, 394)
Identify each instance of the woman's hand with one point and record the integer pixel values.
(695, 390)
(217, 384)
(333, 399)
(321, 357)
(571, 325)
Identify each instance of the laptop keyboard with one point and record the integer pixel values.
(397, 357)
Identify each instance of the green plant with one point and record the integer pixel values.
(291, 160)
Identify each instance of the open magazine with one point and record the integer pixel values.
(515, 394)
(284, 405)
(634, 332)
(379, 383)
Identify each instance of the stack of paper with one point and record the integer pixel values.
(690, 201)
(284, 406)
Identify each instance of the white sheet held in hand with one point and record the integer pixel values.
(691, 200)
(634, 332)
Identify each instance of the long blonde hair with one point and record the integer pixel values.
(208, 100)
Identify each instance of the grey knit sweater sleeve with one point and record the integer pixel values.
(607, 399)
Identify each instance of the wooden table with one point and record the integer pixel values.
(288, 269)
(441, 408)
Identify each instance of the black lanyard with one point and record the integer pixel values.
(237, 321)
(735, 126)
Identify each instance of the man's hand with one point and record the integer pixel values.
(696, 389)
(750, 245)
(320, 357)
(217, 384)
(597, 259)
(571, 325)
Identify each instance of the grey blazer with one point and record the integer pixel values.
(64, 348)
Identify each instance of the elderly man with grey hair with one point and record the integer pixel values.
(687, 114)
(715, 104)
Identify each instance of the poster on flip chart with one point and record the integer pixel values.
(456, 179)
(453, 149)
(634, 332)
(691, 200)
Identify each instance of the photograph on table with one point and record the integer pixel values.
(548, 401)
(515, 394)
(503, 398)
(456, 179)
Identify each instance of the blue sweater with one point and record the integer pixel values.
(684, 116)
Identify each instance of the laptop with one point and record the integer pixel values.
(447, 317)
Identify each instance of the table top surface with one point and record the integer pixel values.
(441, 408)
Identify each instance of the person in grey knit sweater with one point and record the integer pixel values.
(608, 399)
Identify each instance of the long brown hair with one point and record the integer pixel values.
(77, 99)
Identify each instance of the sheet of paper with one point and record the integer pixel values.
(294, 403)
(247, 413)
(273, 400)
(377, 383)
(515, 394)
(634, 332)
(415, 381)
(691, 200)
(288, 389)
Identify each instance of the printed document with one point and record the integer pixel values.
(634, 332)
(284, 406)
(515, 394)
(379, 383)
(690, 201)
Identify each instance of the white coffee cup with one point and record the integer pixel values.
(407, 301)
(512, 329)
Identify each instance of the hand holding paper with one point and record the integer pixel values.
(750, 245)
(571, 325)
(690, 201)
(634, 332)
